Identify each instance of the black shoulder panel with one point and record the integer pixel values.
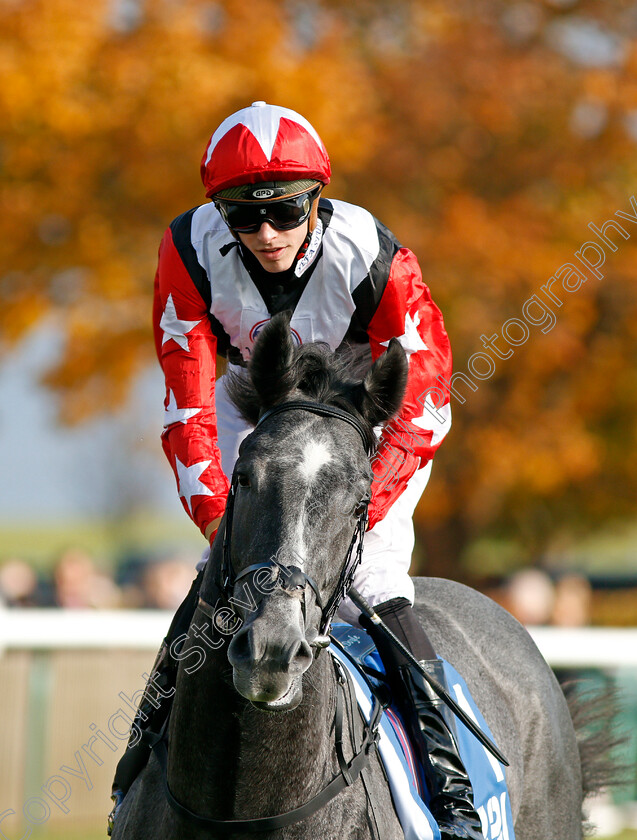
(181, 231)
(325, 211)
(367, 295)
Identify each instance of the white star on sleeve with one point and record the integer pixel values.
(410, 339)
(173, 327)
(437, 421)
(189, 483)
(174, 414)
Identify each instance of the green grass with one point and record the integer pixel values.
(142, 534)
(629, 834)
(72, 834)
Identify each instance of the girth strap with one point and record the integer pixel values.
(350, 771)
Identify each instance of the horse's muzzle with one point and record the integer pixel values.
(267, 667)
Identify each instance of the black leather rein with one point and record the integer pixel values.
(349, 772)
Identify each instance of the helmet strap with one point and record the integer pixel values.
(314, 212)
(306, 244)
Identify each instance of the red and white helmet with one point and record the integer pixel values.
(263, 143)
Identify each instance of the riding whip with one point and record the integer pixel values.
(444, 695)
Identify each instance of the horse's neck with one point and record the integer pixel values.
(203, 734)
(287, 758)
(230, 759)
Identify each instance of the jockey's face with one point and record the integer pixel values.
(275, 249)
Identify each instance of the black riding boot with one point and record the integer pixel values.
(431, 723)
(155, 704)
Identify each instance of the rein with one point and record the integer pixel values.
(349, 772)
(291, 578)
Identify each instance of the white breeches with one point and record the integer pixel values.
(388, 546)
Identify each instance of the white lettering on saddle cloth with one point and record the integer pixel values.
(494, 818)
(493, 813)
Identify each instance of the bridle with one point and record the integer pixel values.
(292, 578)
(349, 771)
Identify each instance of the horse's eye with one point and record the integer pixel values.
(243, 480)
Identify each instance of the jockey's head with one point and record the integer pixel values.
(266, 164)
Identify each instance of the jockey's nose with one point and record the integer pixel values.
(266, 232)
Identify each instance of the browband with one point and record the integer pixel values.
(324, 411)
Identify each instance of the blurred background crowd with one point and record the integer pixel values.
(76, 580)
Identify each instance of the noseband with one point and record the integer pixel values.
(292, 578)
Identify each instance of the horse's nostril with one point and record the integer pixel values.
(242, 648)
(301, 657)
(248, 648)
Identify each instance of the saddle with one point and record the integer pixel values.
(357, 652)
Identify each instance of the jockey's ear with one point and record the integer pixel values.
(381, 393)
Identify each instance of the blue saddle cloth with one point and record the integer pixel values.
(354, 648)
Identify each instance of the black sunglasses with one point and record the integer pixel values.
(285, 214)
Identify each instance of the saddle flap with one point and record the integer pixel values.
(355, 649)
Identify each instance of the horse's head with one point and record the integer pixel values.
(301, 485)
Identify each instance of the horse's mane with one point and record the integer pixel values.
(280, 371)
(313, 373)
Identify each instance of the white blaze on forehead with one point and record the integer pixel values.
(310, 458)
(315, 455)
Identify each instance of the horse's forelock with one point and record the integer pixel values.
(314, 373)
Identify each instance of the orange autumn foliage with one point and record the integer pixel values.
(486, 135)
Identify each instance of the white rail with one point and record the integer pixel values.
(46, 629)
(583, 647)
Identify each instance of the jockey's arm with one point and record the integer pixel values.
(407, 312)
(186, 347)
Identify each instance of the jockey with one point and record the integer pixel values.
(268, 242)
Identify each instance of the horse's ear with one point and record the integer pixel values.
(271, 366)
(271, 371)
(381, 392)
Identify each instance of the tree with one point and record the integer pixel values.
(506, 130)
(486, 135)
(105, 111)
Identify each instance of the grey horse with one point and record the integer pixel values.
(251, 733)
